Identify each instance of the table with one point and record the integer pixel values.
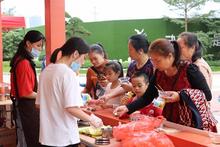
(6, 112)
(5, 102)
(180, 135)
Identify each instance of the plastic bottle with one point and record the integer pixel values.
(159, 102)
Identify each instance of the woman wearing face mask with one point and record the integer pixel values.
(59, 97)
(24, 86)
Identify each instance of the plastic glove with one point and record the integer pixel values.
(95, 121)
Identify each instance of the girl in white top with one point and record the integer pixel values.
(59, 97)
(113, 71)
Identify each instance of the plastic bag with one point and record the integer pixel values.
(147, 139)
(146, 124)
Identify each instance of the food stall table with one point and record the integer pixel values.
(179, 134)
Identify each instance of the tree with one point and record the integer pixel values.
(74, 27)
(10, 40)
(185, 6)
(211, 25)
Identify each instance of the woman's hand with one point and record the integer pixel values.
(95, 121)
(171, 97)
(119, 111)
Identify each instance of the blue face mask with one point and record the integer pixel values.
(75, 66)
(35, 52)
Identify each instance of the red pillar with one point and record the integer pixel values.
(1, 48)
(54, 25)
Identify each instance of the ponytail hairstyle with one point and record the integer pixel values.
(73, 44)
(164, 47)
(116, 66)
(99, 49)
(32, 36)
(176, 52)
(191, 40)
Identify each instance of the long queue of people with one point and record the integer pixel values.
(47, 111)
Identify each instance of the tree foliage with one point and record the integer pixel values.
(10, 40)
(74, 27)
(185, 6)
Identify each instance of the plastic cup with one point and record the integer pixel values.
(85, 98)
(124, 79)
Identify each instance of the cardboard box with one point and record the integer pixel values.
(7, 137)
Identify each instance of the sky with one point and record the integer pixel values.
(101, 10)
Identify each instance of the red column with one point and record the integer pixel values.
(54, 25)
(1, 48)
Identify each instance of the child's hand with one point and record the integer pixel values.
(127, 86)
(95, 102)
(104, 97)
(172, 96)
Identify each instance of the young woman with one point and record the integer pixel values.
(191, 50)
(24, 86)
(176, 77)
(95, 79)
(59, 97)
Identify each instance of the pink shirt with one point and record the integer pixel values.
(206, 70)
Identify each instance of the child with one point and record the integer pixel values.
(113, 71)
(140, 83)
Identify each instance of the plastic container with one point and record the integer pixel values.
(159, 101)
(85, 98)
(124, 79)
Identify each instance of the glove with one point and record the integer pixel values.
(95, 121)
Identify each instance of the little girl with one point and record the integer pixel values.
(113, 71)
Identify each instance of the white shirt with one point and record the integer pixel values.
(58, 89)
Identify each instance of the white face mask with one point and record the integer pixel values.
(35, 52)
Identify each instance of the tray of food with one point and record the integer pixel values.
(94, 132)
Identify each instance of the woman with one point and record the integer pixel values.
(59, 97)
(95, 79)
(173, 76)
(137, 50)
(24, 85)
(191, 49)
